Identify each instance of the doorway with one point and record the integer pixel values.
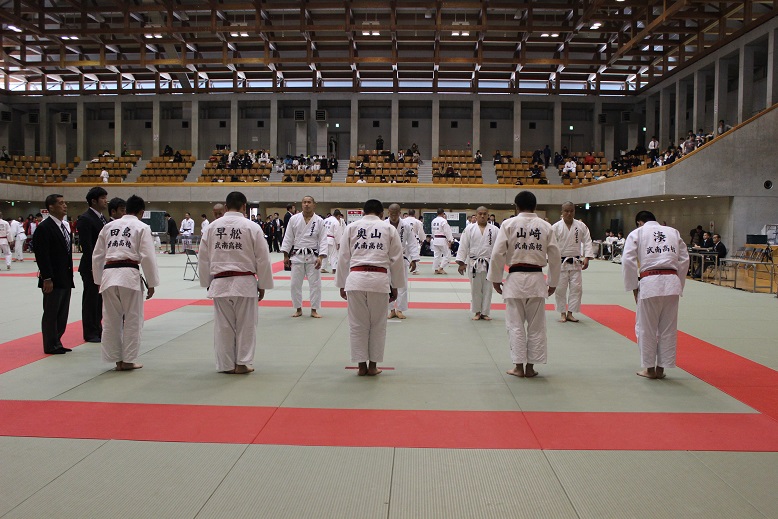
(342, 142)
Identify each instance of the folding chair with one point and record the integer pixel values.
(190, 254)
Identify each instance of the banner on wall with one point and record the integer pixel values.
(352, 215)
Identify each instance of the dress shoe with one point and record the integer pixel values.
(58, 351)
(66, 349)
(93, 339)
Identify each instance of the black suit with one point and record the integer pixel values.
(278, 235)
(721, 249)
(89, 226)
(55, 262)
(172, 231)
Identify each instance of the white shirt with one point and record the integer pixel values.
(187, 227)
(375, 242)
(233, 243)
(304, 241)
(525, 238)
(417, 226)
(653, 145)
(204, 226)
(441, 231)
(59, 223)
(104, 176)
(408, 240)
(333, 229)
(574, 240)
(125, 239)
(655, 247)
(476, 245)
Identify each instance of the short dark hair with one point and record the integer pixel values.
(373, 206)
(94, 194)
(526, 201)
(717, 234)
(115, 203)
(289, 207)
(235, 200)
(441, 210)
(50, 201)
(644, 216)
(203, 216)
(337, 213)
(412, 212)
(135, 205)
(167, 215)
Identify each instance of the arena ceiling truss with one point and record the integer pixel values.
(598, 47)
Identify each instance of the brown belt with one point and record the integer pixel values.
(658, 272)
(232, 274)
(524, 267)
(367, 268)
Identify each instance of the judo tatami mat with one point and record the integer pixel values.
(444, 434)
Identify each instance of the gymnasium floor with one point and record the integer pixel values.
(443, 432)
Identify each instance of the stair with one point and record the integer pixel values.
(196, 171)
(136, 171)
(488, 173)
(340, 175)
(77, 171)
(425, 171)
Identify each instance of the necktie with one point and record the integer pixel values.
(102, 219)
(66, 232)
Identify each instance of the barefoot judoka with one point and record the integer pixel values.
(410, 258)
(475, 251)
(575, 246)
(441, 242)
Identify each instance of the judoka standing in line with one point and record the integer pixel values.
(370, 270)
(418, 230)
(654, 264)
(123, 247)
(475, 251)
(525, 243)
(441, 242)
(5, 241)
(235, 267)
(410, 258)
(575, 245)
(304, 248)
(334, 231)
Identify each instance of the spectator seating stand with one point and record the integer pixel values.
(36, 168)
(381, 167)
(463, 163)
(118, 167)
(163, 169)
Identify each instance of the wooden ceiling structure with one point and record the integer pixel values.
(585, 47)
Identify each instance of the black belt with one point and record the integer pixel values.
(524, 267)
(122, 264)
(315, 252)
(570, 259)
(476, 261)
(232, 274)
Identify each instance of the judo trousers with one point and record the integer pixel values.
(367, 323)
(656, 327)
(122, 324)
(234, 331)
(528, 346)
(569, 291)
(5, 249)
(442, 256)
(401, 303)
(19, 249)
(480, 294)
(332, 256)
(300, 271)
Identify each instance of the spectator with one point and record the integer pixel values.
(722, 128)
(379, 143)
(177, 157)
(479, 158)
(589, 160)
(104, 176)
(168, 151)
(497, 157)
(570, 166)
(547, 155)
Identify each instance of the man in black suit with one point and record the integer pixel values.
(290, 210)
(54, 254)
(89, 226)
(278, 233)
(172, 232)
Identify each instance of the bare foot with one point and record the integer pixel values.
(571, 318)
(324, 271)
(362, 371)
(400, 315)
(241, 369)
(485, 317)
(315, 314)
(563, 319)
(477, 316)
(373, 370)
(127, 366)
(298, 313)
(647, 373)
(517, 371)
(529, 371)
(229, 372)
(392, 315)
(438, 271)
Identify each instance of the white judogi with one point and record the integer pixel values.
(129, 240)
(369, 241)
(5, 237)
(234, 244)
(204, 227)
(17, 230)
(441, 238)
(528, 240)
(304, 242)
(475, 251)
(410, 253)
(653, 248)
(574, 243)
(334, 231)
(418, 230)
(187, 230)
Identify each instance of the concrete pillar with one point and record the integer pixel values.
(29, 138)
(81, 129)
(597, 137)
(273, 127)
(664, 118)
(394, 131)
(516, 130)
(609, 132)
(476, 144)
(61, 132)
(194, 127)
(435, 151)
(680, 112)
(650, 119)
(719, 92)
(698, 91)
(633, 130)
(117, 128)
(155, 116)
(321, 130)
(43, 128)
(558, 126)
(234, 124)
(354, 126)
(745, 84)
(772, 69)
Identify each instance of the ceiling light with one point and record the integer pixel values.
(14, 28)
(454, 33)
(465, 33)
(555, 35)
(158, 36)
(544, 35)
(365, 33)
